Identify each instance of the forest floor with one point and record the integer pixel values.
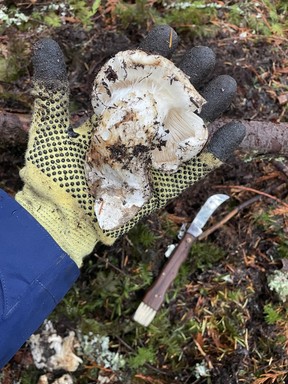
(222, 321)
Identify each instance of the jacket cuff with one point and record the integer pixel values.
(35, 274)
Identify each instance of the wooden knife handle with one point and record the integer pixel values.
(156, 294)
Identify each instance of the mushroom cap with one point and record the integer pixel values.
(146, 108)
(176, 99)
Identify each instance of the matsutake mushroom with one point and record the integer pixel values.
(146, 108)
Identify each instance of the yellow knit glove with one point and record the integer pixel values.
(55, 190)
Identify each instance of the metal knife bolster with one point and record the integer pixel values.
(194, 230)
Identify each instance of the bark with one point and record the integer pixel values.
(261, 137)
(13, 129)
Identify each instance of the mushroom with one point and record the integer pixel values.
(146, 108)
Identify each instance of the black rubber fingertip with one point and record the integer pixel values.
(219, 94)
(226, 140)
(48, 61)
(162, 40)
(198, 63)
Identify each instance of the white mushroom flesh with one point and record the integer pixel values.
(146, 108)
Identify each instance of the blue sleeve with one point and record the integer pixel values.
(35, 274)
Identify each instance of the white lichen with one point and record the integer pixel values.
(278, 282)
(201, 370)
(14, 18)
(96, 348)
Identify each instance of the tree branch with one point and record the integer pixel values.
(262, 137)
(13, 129)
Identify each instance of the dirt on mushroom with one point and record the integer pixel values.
(140, 108)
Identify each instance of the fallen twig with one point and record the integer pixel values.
(242, 206)
(108, 263)
(229, 216)
(248, 189)
(281, 166)
(148, 379)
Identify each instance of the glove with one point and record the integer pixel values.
(55, 189)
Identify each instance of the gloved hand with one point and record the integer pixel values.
(55, 189)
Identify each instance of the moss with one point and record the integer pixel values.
(205, 254)
(282, 247)
(195, 17)
(138, 13)
(14, 60)
(141, 357)
(142, 235)
(271, 314)
(30, 376)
